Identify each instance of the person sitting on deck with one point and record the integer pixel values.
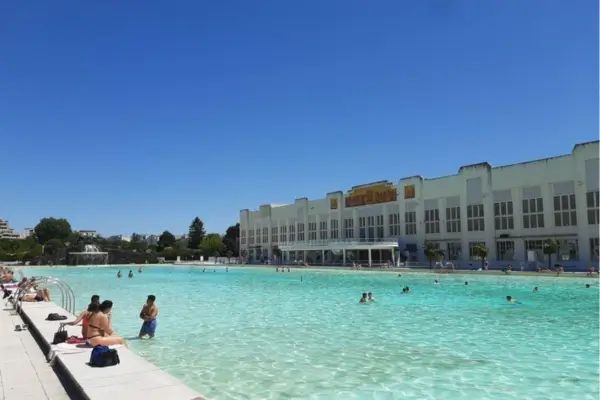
(99, 329)
(83, 317)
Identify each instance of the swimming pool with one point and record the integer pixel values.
(253, 333)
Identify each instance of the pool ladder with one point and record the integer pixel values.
(66, 293)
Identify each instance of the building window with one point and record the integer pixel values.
(475, 218)
(394, 224)
(472, 246)
(565, 211)
(379, 234)
(250, 237)
(312, 231)
(453, 219)
(503, 216)
(410, 223)
(265, 237)
(301, 232)
(533, 213)
(323, 230)
(283, 234)
(292, 229)
(274, 234)
(334, 229)
(453, 250)
(594, 248)
(348, 228)
(593, 205)
(362, 228)
(432, 221)
(568, 250)
(258, 236)
(505, 250)
(243, 237)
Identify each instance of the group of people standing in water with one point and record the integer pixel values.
(130, 275)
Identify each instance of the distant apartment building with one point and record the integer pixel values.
(122, 238)
(6, 232)
(88, 233)
(27, 232)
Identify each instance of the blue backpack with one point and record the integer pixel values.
(103, 356)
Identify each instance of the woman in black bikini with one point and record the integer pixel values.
(99, 329)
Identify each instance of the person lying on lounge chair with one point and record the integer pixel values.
(99, 330)
(39, 295)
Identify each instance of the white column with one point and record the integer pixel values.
(322, 256)
(370, 259)
(343, 256)
(394, 256)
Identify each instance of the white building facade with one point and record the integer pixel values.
(510, 209)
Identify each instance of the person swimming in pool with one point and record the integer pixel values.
(130, 274)
(511, 300)
(370, 297)
(148, 314)
(535, 289)
(119, 274)
(364, 298)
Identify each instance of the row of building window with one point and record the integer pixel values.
(505, 250)
(564, 210)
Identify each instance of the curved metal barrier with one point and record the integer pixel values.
(66, 293)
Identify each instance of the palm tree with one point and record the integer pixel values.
(431, 252)
(551, 246)
(277, 253)
(480, 250)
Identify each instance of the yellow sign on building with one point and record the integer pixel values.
(369, 195)
(333, 204)
(409, 191)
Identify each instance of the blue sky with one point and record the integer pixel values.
(135, 115)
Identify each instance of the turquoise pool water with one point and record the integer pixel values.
(252, 333)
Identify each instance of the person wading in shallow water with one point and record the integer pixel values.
(148, 314)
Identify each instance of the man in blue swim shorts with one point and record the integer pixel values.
(148, 314)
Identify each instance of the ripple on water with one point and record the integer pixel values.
(253, 333)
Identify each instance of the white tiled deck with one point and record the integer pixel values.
(24, 371)
(134, 378)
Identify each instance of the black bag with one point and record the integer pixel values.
(60, 336)
(103, 356)
(55, 317)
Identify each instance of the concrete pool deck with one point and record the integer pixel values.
(24, 370)
(134, 378)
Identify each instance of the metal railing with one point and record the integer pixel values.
(66, 293)
(338, 242)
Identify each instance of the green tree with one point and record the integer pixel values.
(52, 228)
(431, 252)
(244, 255)
(166, 239)
(212, 243)
(231, 239)
(52, 246)
(480, 250)
(277, 253)
(196, 233)
(229, 254)
(551, 247)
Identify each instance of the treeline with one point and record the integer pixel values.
(53, 239)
